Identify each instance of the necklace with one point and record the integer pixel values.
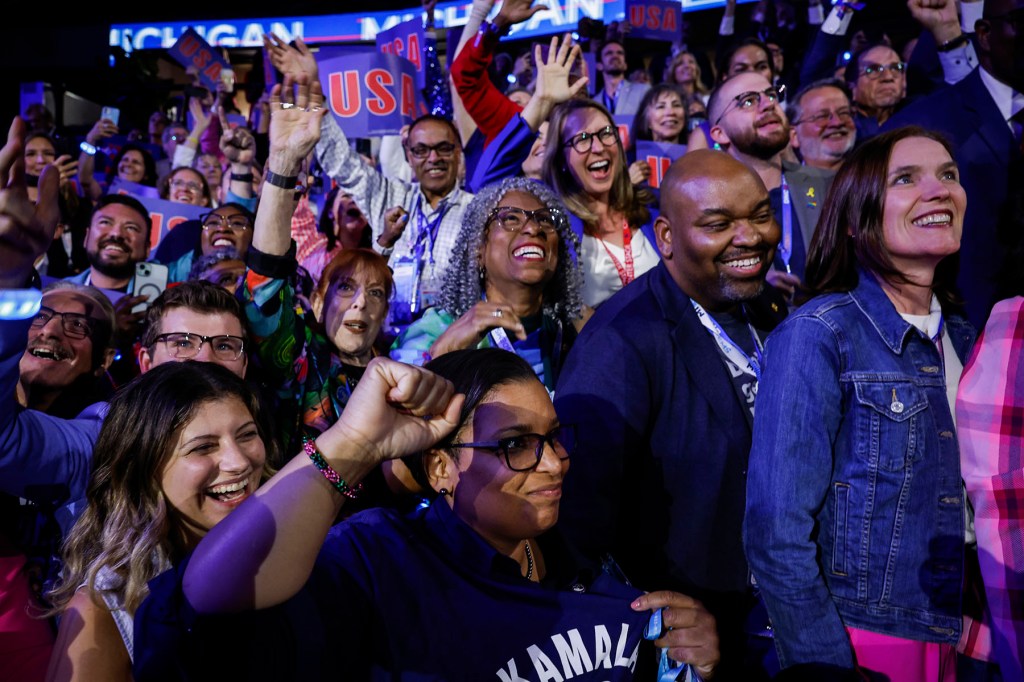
(529, 561)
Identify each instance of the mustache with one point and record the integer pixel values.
(119, 241)
(59, 351)
(768, 119)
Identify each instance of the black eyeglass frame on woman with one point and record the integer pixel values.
(514, 219)
(561, 439)
(584, 142)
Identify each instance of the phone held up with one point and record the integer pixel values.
(150, 281)
(112, 114)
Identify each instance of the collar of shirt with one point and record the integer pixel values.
(1008, 101)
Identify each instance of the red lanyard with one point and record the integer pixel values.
(625, 273)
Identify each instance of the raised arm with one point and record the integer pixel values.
(100, 131)
(263, 552)
(296, 108)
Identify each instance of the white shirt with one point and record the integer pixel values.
(600, 276)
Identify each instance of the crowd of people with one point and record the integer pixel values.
(483, 405)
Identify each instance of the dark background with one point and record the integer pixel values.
(67, 46)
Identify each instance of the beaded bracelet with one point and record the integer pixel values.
(330, 474)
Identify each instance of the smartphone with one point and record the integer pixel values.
(150, 281)
(111, 113)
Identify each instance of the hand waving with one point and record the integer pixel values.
(553, 74)
(289, 60)
(296, 107)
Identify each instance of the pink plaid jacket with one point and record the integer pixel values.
(990, 425)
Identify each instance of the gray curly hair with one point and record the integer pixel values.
(462, 287)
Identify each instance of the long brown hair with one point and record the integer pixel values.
(850, 233)
(623, 196)
(128, 526)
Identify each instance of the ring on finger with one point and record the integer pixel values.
(497, 313)
(287, 105)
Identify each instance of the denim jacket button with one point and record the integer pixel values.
(945, 434)
(930, 369)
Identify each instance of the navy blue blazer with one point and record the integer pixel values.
(984, 149)
(659, 476)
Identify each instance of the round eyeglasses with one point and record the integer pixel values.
(584, 142)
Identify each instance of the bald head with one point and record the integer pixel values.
(716, 230)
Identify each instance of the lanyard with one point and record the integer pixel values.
(786, 246)
(427, 231)
(626, 274)
(735, 354)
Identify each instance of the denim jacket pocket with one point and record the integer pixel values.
(887, 427)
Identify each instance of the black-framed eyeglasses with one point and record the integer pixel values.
(445, 150)
(185, 345)
(237, 223)
(584, 142)
(750, 100)
(523, 451)
(822, 118)
(875, 71)
(75, 325)
(514, 219)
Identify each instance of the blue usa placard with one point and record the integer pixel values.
(406, 40)
(655, 19)
(371, 93)
(193, 52)
(659, 156)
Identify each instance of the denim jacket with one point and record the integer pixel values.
(854, 500)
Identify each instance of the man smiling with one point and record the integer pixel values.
(749, 124)
(117, 238)
(69, 346)
(661, 385)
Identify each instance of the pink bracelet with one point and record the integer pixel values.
(330, 474)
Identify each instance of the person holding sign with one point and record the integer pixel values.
(660, 118)
(586, 165)
(434, 202)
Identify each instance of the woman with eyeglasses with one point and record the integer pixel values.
(185, 185)
(513, 282)
(228, 226)
(584, 162)
(475, 585)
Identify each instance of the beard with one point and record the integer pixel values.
(114, 270)
(752, 143)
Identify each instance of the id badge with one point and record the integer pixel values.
(430, 291)
(404, 275)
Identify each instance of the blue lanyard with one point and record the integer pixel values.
(735, 354)
(427, 232)
(666, 672)
(786, 246)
